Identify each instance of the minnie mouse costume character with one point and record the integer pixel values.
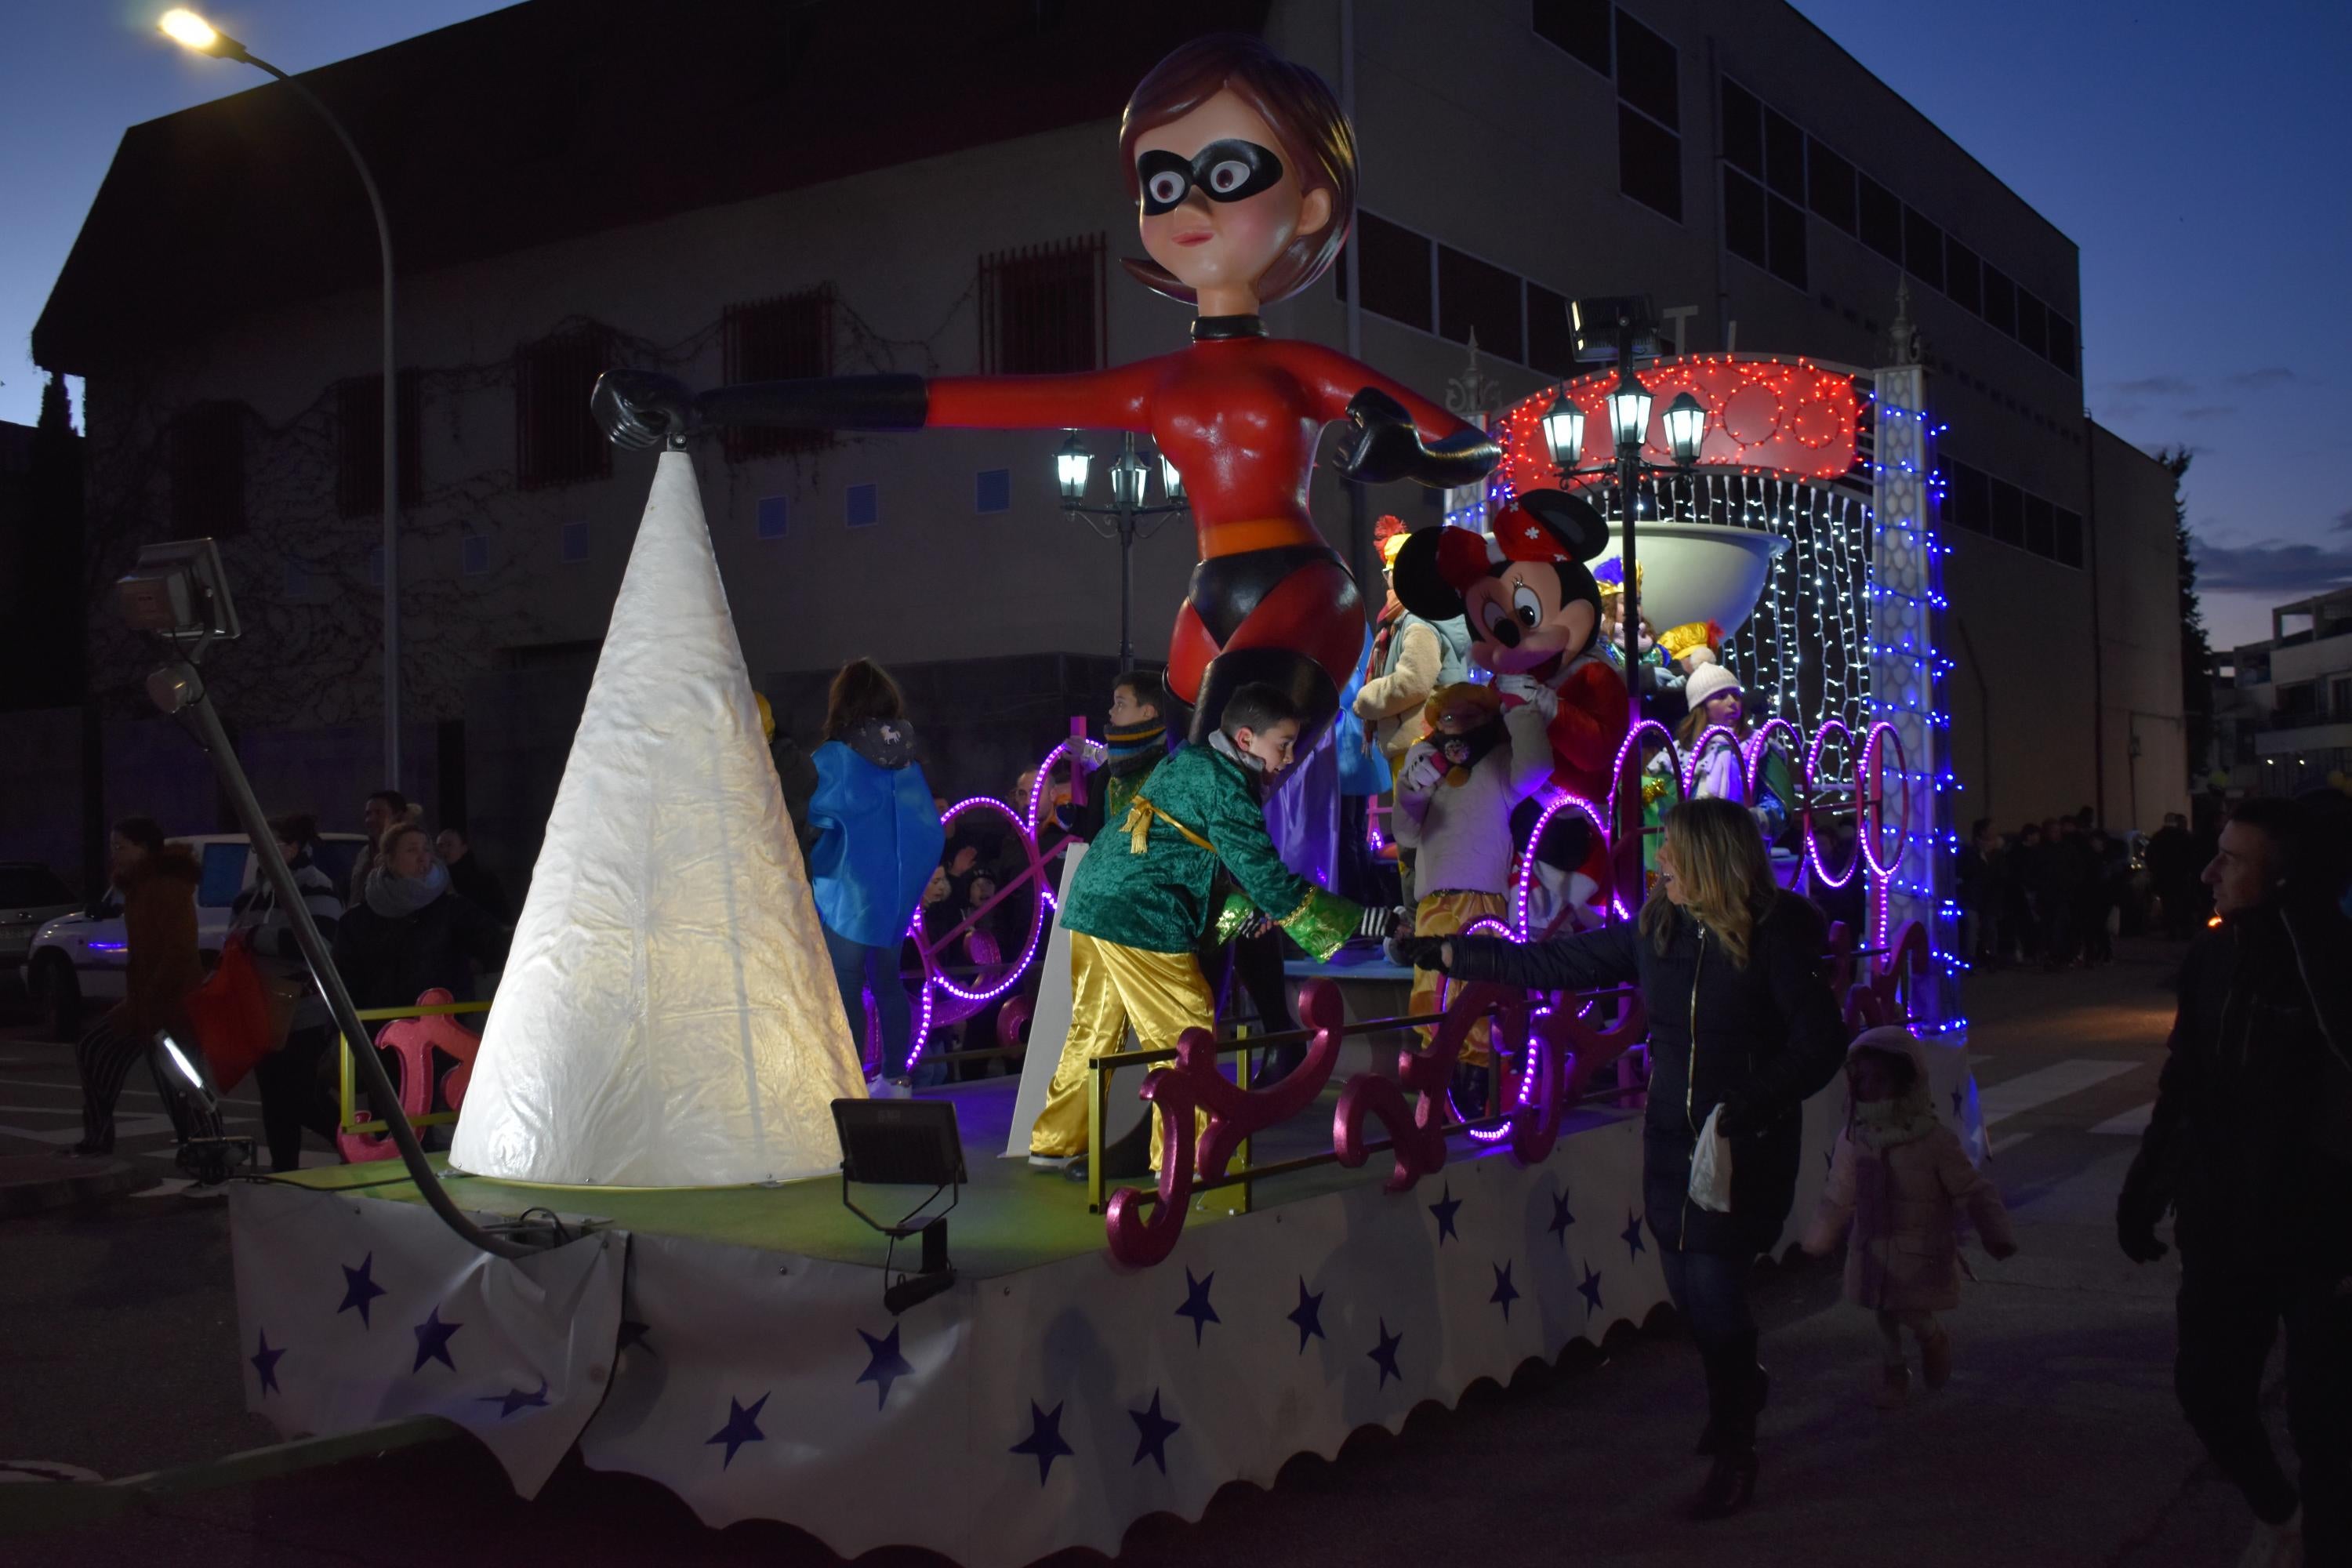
(1534, 613)
(1243, 171)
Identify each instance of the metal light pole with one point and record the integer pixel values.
(1124, 516)
(187, 28)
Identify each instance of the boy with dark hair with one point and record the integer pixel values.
(1190, 859)
(1134, 742)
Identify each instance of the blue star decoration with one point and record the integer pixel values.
(265, 1363)
(884, 1364)
(1384, 1355)
(514, 1399)
(433, 1342)
(1560, 1219)
(1308, 1315)
(1045, 1440)
(1591, 1291)
(1152, 1431)
(742, 1426)
(359, 1289)
(1504, 1291)
(1445, 1209)
(1196, 1304)
(1632, 1236)
(633, 1337)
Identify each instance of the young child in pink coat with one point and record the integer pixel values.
(1899, 1181)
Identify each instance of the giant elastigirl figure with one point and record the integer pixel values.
(1243, 171)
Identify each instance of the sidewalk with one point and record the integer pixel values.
(2058, 1441)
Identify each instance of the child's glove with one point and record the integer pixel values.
(1090, 753)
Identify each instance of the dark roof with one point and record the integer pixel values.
(559, 118)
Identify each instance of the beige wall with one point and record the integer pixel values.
(2139, 624)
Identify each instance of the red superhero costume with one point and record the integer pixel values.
(1239, 414)
(1243, 167)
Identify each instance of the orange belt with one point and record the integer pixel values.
(1255, 533)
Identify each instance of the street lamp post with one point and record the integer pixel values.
(191, 31)
(1124, 518)
(1628, 426)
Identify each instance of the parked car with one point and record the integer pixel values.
(30, 898)
(78, 959)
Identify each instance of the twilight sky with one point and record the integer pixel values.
(2195, 152)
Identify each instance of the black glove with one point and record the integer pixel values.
(1383, 446)
(2136, 1228)
(1417, 952)
(1739, 1115)
(641, 408)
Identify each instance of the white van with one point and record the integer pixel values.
(78, 961)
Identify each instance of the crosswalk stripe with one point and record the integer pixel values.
(2031, 1091)
(2130, 1125)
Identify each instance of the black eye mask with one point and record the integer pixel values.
(1229, 171)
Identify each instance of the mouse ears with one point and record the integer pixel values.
(1435, 565)
(1551, 525)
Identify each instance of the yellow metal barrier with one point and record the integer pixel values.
(343, 1121)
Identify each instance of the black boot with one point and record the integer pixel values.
(1737, 1387)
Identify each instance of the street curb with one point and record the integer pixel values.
(64, 1188)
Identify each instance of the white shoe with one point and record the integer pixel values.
(1053, 1161)
(2275, 1545)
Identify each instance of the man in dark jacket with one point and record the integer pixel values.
(469, 878)
(2250, 1145)
(2172, 867)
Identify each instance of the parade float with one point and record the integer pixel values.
(703, 1301)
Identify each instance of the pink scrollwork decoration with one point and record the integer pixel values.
(1418, 1135)
(1142, 1224)
(1568, 1052)
(1882, 995)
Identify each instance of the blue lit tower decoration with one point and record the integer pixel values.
(1907, 671)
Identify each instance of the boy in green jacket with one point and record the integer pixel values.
(1192, 858)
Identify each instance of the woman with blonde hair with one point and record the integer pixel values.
(1732, 971)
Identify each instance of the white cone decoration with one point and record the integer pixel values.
(667, 1016)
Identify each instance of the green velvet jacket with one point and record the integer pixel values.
(1191, 859)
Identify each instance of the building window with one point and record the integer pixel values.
(208, 470)
(1579, 26)
(1474, 296)
(1743, 128)
(1393, 269)
(1551, 346)
(1649, 163)
(1829, 186)
(1041, 309)
(1923, 249)
(556, 441)
(2041, 526)
(993, 490)
(2032, 322)
(771, 515)
(575, 543)
(474, 554)
(1784, 157)
(1970, 494)
(1963, 276)
(1648, 73)
(2070, 538)
(863, 506)
(2008, 514)
(1745, 230)
(2060, 349)
(1999, 299)
(358, 442)
(785, 339)
(1881, 219)
(1649, 118)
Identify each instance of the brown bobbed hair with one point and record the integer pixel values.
(1317, 143)
(862, 690)
(1727, 876)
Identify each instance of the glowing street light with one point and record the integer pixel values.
(191, 31)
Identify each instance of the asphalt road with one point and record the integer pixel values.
(2057, 1442)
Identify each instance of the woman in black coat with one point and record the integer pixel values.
(1732, 971)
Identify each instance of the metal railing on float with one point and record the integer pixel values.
(1557, 1051)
